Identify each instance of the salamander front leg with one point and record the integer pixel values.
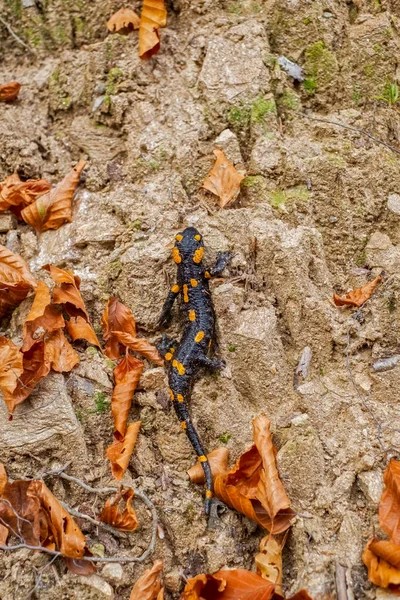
(223, 260)
(213, 364)
(167, 347)
(166, 314)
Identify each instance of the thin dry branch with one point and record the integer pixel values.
(15, 36)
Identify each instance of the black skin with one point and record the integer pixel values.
(186, 358)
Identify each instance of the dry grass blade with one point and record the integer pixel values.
(112, 515)
(152, 18)
(148, 586)
(124, 20)
(119, 453)
(358, 296)
(53, 209)
(9, 91)
(218, 460)
(223, 180)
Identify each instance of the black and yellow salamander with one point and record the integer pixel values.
(186, 358)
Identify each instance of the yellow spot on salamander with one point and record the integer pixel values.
(179, 397)
(172, 350)
(175, 363)
(185, 293)
(192, 315)
(193, 282)
(171, 394)
(168, 356)
(198, 255)
(175, 289)
(199, 336)
(183, 425)
(203, 458)
(179, 237)
(181, 369)
(197, 237)
(207, 275)
(176, 256)
(209, 494)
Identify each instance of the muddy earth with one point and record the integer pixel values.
(319, 212)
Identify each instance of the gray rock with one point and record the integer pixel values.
(393, 203)
(371, 485)
(265, 155)
(291, 68)
(380, 252)
(113, 572)
(7, 222)
(385, 364)
(91, 587)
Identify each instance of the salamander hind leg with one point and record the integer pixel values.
(213, 364)
(167, 347)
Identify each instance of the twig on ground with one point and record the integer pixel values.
(15, 36)
(76, 513)
(341, 582)
(362, 131)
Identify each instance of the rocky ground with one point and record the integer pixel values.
(322, 203)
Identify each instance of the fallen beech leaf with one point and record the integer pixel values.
(152, 18)
(139, 345)
(218, 460)
(253, 487)
(42, 319)
(9, 91)
(80, 567)
(269, 560)
(389, 507)
(10, 367)
(35, 368)
(148, 586)
(67, 291)
(381, 571)
(116, 317)
(16, 194)
(301, 595)
(59, 353)
(119, 453)
(16, 281)
(3, 478)
(54, 208)
(359, 296)
(126, 374)
(124, 20)
(237, 584)
(79, 329)
(223, 180)
(3, 535)
(111, 514)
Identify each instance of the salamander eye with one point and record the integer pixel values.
(179, 237)
(197, 237)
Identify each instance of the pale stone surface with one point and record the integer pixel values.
(371, 485)
(393, 203)
(229, 143)
(113, 572)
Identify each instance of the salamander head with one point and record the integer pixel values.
(188, 245)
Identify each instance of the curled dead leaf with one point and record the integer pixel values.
(119, 453)
(67, 291)
(59, 353)
(54, 208)
(237, 584)
(152, 18)
(16, 281)
(223, 180)
(389, 506)
(111, 513)
(382, 559)
(148, 586)
(9, 91)
(116, 317)
(139, 345)
(16, 194)
(123, 21)
(218, 460)
(269, 560)
(79, 329)
(358, 296)
(43, 318)
(10, 367)
(126, 374)
(253, 487)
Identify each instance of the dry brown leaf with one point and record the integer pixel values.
(54, 208)
(301, 595)
(59, 353)
(253, 487)
(237, 584)
(152, 18)
(116, 317)
(223, 180)
(9, 91)
(119, 453)
(389, 507)
(16, 194)
(148, 586)
(357, 297)
(123, 21)
(10, 366)
(79, 329)
(111, 513)
(42, 319)
(67, 291)
(16, 281)
(381, 558)
(3, 478)
(126, 375)
(269, 560)
(218, 461)
(139, 345)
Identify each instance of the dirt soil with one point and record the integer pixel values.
(322, 203)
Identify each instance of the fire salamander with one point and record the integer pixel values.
(186, 358)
